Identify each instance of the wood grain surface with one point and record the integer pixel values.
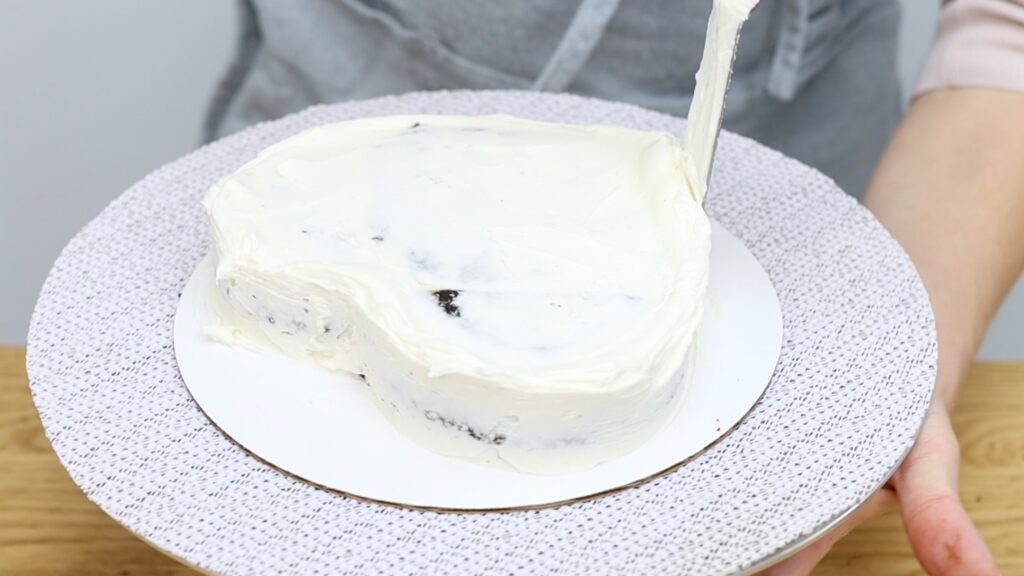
(48, 527)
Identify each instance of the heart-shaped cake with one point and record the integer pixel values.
(512, 292)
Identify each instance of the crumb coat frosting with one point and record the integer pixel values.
(514, 292)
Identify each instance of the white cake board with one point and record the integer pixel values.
(323, 426)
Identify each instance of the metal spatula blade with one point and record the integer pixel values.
(704, 121)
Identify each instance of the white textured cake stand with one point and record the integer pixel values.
(847, 399)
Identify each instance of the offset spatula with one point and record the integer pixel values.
(704, 121)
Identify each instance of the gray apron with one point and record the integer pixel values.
(815, 79)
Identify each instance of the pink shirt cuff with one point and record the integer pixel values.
(980, 43)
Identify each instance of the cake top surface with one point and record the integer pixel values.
(546, 254)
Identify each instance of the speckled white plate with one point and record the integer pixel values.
(324, 427)
(844, 405)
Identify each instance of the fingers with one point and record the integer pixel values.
(801, 563)
(941, 534)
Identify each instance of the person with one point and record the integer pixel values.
(815, 79)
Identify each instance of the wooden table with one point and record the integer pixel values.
(47, 527)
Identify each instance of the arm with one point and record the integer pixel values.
(950, 189)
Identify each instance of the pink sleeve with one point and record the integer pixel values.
(980, 43)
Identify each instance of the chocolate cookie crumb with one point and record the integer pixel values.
(446, 300)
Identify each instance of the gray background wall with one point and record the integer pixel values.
(97, 94)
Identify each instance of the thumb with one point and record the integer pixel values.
(940, 532)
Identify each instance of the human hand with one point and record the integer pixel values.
(925, 490)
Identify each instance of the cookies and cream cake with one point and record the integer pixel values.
(511, 291)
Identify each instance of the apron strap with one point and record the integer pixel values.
(806, 44)
(578, 42)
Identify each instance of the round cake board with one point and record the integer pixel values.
(847, 399)
(324, 427)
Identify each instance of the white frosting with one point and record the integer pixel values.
(579, 255)
(512, 291)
